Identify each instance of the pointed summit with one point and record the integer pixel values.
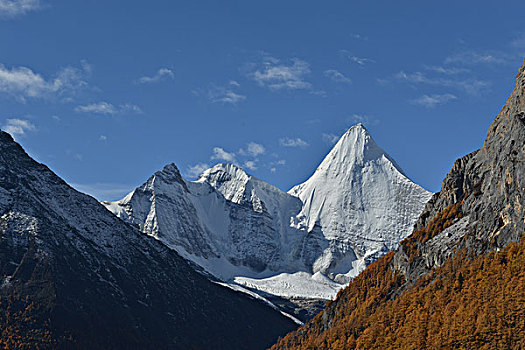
(354, 148)
(170, 171)
(359, 194)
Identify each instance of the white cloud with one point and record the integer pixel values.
(250, 164)
(98, 108)
(197, 169)
(330, 138)
(337, 76)
(23, 83)
(162, 74)
(281, 162)
(291, 142)
(18, 127)
(277, 76)
(13, 8)
(433, 100)
(255, 149)
(224, 95)
(107, 108)
(273, 170)
(220, 154)
(103, 138)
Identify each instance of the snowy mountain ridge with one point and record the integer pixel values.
(306, 243)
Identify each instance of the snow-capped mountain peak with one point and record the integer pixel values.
(359, 191)
(353, 149)
(355, 207)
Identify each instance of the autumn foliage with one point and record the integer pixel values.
(21, 326)
(468, 303)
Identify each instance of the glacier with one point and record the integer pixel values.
(307, 243)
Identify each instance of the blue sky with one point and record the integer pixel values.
(107, 92)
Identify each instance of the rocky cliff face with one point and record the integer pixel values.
(488, 189)
(96, 282)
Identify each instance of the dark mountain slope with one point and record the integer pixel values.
(445, 287)
(76, 275)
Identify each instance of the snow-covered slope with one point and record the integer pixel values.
(305, 243)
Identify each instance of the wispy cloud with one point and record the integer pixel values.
(518, 42)
(162, 74)
(220, 154)
(363, 119)
(128, 108)
(23, 83)
(337, 76)
(447, 70)
(197, 169)
(18, 127)
(360, 60)
(330, 139)
(250, 164)
(281, 76)
(293, 142)
(107, 108)
(274, 165)
(471, 86)
(433, 100)
(14, 8)
(97, 108)
(225, 94)
(472, 57)
(103, 138)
